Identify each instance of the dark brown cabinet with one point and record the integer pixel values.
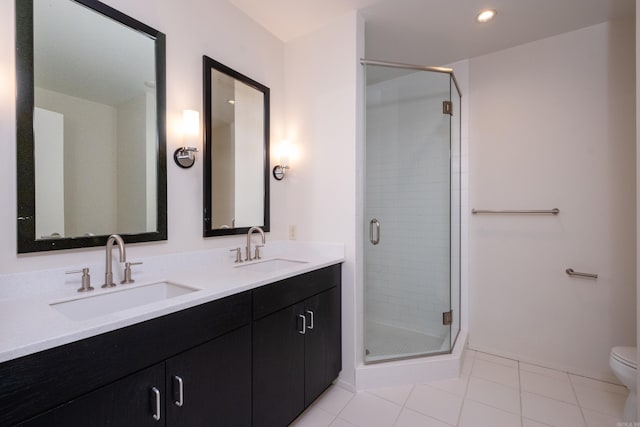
(127, 402)
(255, 358)
(211, 384)
(296, 349)
(322, 350)
(109, 379)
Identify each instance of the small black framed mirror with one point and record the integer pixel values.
(236, 151)
(91, 133)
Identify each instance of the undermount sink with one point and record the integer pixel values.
(87, 307)
(271, 265)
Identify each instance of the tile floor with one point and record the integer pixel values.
(492, 391)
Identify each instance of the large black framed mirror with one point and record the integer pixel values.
(91, 127)
(236, 151)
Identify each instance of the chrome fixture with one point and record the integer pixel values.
(86, 279)
(127, 272)
(554, 211)
(572, 273)
(238, 254)
(108, 273)
(279, 171)
(374, 240)
(185, 157)
(249, 233)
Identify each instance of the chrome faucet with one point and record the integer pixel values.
(108, 273)
(249, 233)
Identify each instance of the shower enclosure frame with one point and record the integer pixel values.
(452, 337)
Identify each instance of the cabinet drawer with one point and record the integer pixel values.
(41, 381)
(276, 296)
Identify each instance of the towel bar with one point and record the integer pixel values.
(572, 273)
(554, 211)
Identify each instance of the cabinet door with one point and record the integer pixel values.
(278, 367)
(323, 346)
(126, 402)
(210, 385)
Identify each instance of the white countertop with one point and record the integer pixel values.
(29, 324)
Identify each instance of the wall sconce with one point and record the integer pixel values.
(284, 154)
(185, 156)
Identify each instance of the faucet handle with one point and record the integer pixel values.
(86, 279)
(238, 255)
(127, 272)
(257, 254)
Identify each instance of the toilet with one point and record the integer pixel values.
(623, 364)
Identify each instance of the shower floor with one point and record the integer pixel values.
(384, 342)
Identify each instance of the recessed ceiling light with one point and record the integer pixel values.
(231, 101)
(486, 15)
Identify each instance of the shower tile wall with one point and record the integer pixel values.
(408, 192)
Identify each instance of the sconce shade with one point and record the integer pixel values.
(285, 151)
(185, 156)
(191, 123)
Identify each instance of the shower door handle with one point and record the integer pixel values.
(374, 224)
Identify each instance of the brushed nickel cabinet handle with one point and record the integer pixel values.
(304, 324)
(155, 403)
(178, 386)
(310, 319)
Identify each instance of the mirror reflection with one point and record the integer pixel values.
(96, 130)
(93, 121)
(236, 151)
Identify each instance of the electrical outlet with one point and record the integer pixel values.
(292, 232)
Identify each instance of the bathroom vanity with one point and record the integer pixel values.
(257, 356)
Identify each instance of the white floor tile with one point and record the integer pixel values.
(494, 394)
(601, 400)
(314, 417)
(467, 362)
(559, 375)
(334, 399)
(435, 403)
(506, 375)
(457, 386)
(409, 418)
(553, 387)
(579, 381)
(475, 414)
(338, 422)
(496, 359)
(530, 423)
(550, 411)
(596, 419)
(367, 410)
(396, 394)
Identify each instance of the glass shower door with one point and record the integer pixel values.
(407, 212)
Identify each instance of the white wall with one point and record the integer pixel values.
(323, 78)
(89, 152)
(248, 134)
(131, 166)
(193, 28)
(552, 125)
(48, 155)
